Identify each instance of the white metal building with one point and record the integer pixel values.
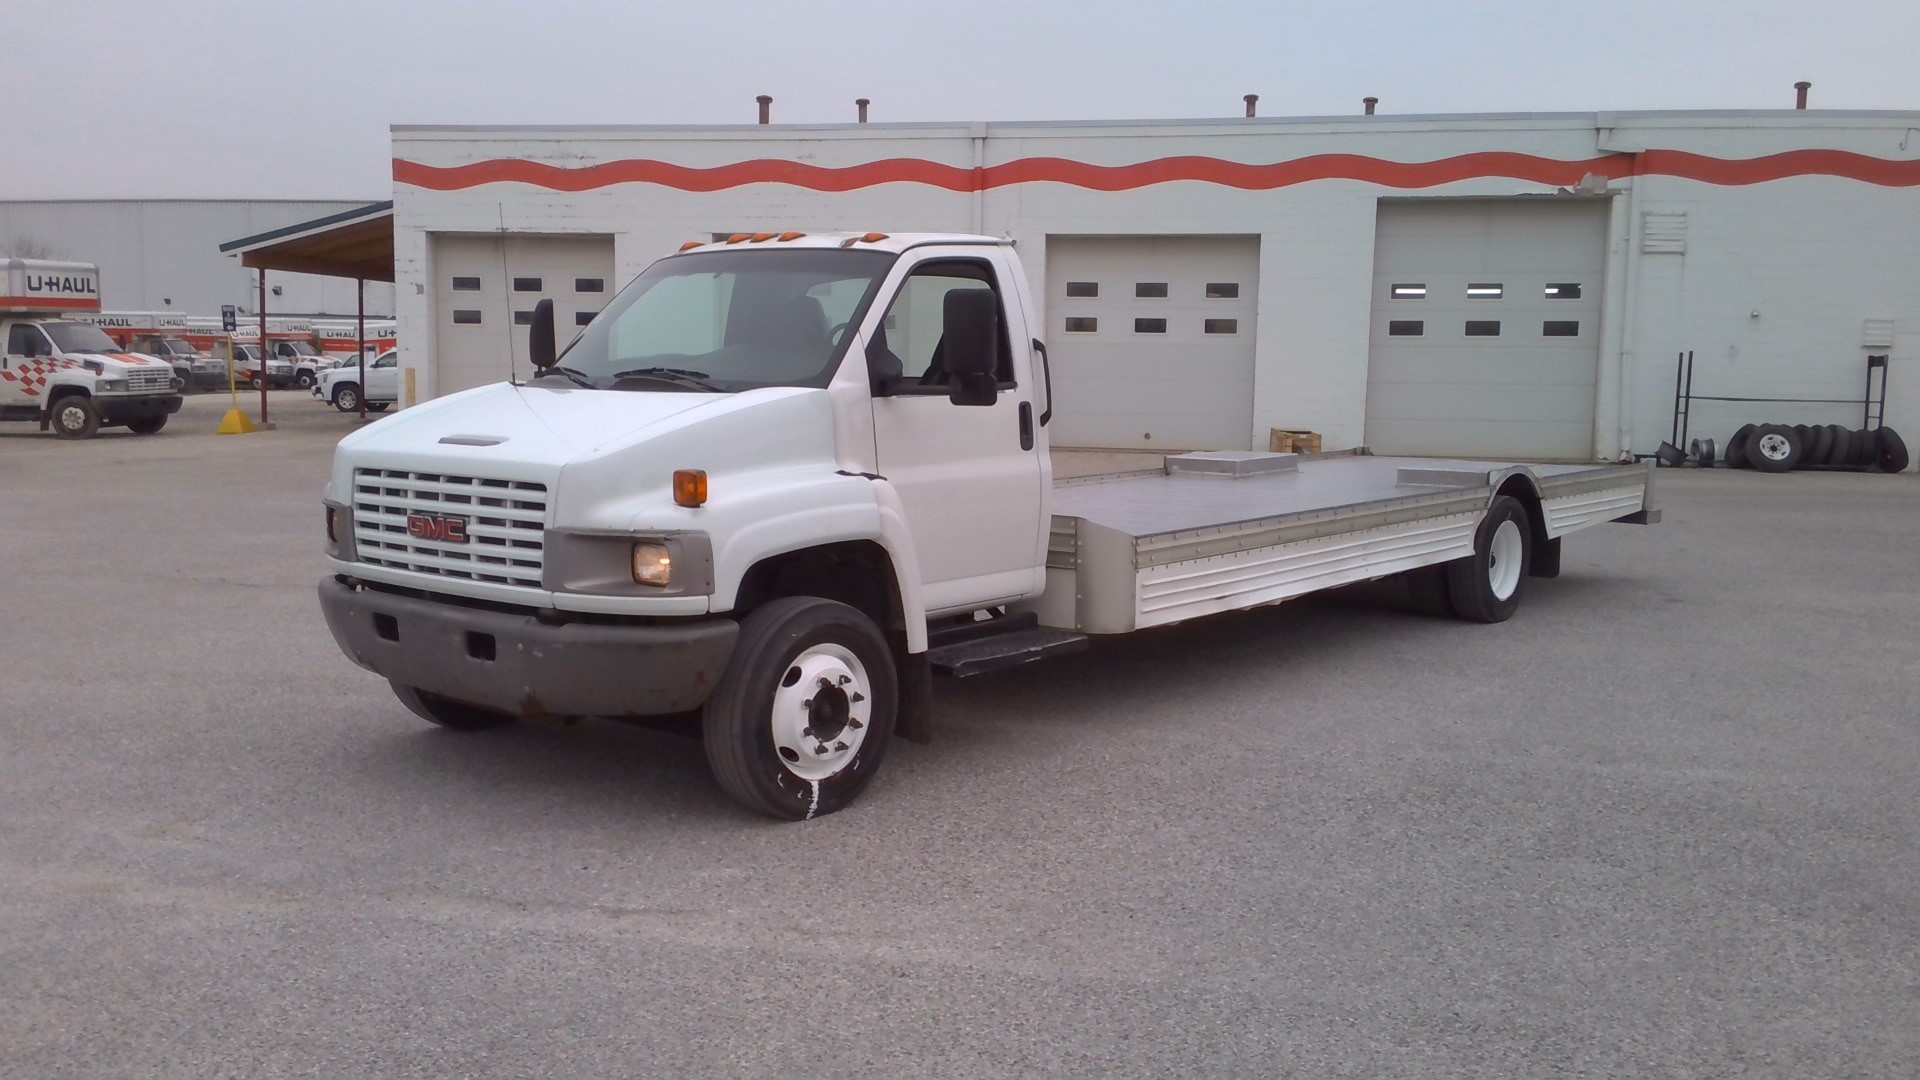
(164, 254)
(1474, 285)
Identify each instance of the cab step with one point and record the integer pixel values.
(979, 652)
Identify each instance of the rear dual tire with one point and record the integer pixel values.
(1484, 587)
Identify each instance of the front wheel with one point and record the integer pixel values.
(378, 406)
(799, 721)
(1485, 586)
(346, 397)
(454, 715)
(305, 381)
(147, 425)
(75, 417)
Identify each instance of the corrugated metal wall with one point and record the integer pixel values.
(164, 254)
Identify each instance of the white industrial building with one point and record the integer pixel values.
(1484, 285)
(164, 254)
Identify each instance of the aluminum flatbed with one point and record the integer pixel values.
(1223, 531)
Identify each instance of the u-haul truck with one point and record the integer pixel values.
(66, 374)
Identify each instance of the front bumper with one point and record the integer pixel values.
(122, 409)
(519, 665)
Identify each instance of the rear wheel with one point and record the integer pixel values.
(346, 397)
(75, 417)
(1485, 586)
(799, 722)
(147, 425)
(456, 715)
(378, 406)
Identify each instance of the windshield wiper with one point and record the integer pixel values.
(672, 375)
(578, 378)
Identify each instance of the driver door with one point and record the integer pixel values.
(973, 494)
(21, 377)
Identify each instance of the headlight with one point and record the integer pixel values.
(333, 525)
(652, 564)
(109, 386)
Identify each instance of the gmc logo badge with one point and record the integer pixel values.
(445, 530)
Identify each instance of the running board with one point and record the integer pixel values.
(998, 652)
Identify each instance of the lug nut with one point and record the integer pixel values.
(856, 697)
(839, 746)
(820, 749)
(845, 679)
(806, 733)
(854, 724)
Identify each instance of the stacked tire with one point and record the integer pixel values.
(1779, 448)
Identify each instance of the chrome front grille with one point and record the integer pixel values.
(504, 521)
(147, 382)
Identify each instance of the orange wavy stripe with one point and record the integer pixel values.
(1248, 177)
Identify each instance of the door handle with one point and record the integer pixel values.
(1026, 425)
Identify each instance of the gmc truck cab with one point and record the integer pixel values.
(782, 480)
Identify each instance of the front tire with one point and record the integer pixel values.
(305, 381)
(346, 397)
(378, 406)
(147, 425)
(1485, 587)
(450, 714)
(75, 417)
(800, 720)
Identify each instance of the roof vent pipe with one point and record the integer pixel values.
(1369, 102)
(1800, 93)
(766, 108)
(862, 103)
(1251, 98)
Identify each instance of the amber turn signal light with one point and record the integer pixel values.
(690, 487)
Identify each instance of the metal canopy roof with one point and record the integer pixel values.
(354, 243)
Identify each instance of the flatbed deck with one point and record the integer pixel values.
(1217, 532)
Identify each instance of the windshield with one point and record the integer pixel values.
(246, 352)
(180, 346)
(733, 320)
(301, 348)
(73, 337)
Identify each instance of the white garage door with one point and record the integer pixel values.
(1152, 340)
(1485, 334)
(482, 303)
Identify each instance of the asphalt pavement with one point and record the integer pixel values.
(1663, 822)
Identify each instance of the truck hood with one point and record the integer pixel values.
(533, 431)
(122, 361)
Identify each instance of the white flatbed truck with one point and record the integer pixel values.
(783, 480)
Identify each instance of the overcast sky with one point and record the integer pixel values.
(280, 99)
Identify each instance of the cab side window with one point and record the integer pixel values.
(25, 340)
(910, 334)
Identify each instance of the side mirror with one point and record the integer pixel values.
(970, 346)
(540, 336)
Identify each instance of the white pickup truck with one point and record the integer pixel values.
(340, 386)
(783, 480)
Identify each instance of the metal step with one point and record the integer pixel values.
(1005, 650)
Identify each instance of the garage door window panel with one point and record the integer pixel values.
(910, 335)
